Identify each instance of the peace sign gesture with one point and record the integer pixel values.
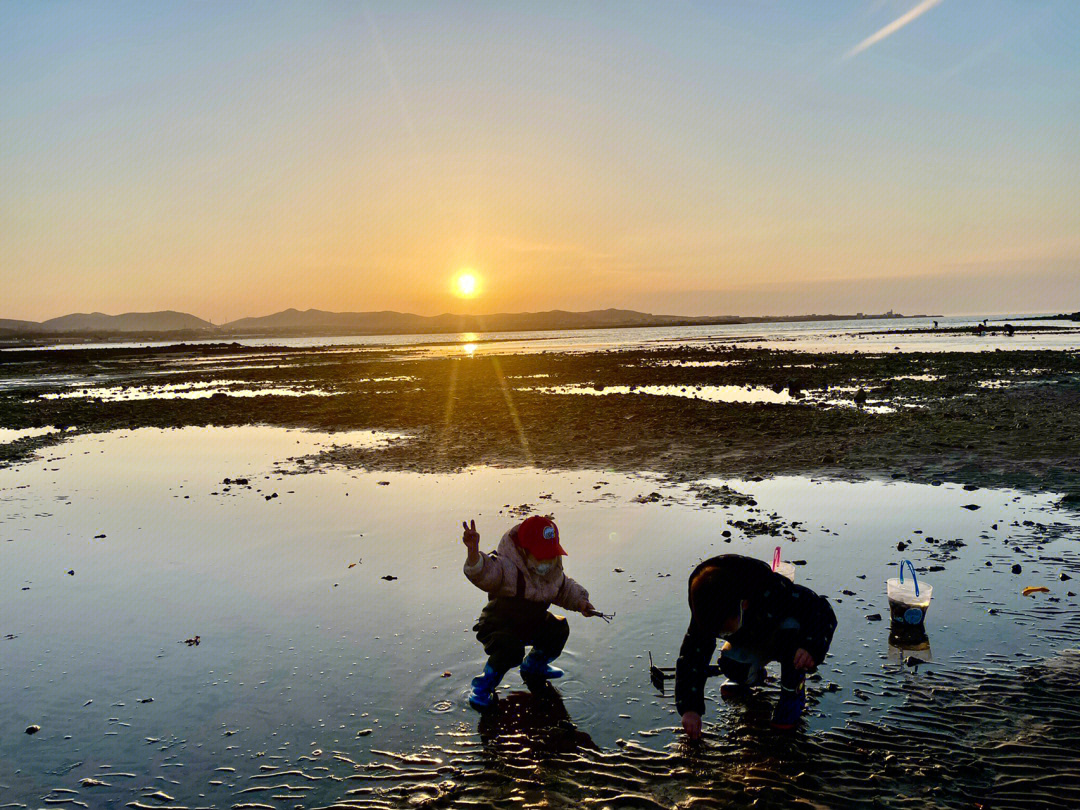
(471, 537)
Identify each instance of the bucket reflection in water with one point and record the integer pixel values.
(907, 639)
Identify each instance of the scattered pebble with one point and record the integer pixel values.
(389, 577)
(33, 729)
(874, 617)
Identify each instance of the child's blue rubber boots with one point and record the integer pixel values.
(483, 688)
(537, 666)
(789, 707)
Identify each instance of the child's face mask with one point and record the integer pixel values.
(540, 567)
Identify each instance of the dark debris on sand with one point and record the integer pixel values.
(463, 411)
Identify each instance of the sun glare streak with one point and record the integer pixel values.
(514, 417)
(448, 416)
(892, 27)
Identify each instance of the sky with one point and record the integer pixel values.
(699, 158)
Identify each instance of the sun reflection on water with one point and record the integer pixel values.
(468, 343)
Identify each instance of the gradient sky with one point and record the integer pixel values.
(234, 159)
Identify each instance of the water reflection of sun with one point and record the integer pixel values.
(466, 284)
(468, 342)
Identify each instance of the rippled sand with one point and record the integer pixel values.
(318, 682)
(963, 739)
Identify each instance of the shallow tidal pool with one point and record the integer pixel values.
(335, 645)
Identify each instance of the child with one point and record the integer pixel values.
(763, 617)
(523, 578)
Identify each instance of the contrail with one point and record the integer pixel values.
(892, 27)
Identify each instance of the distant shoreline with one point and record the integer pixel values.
(1065, 316)
(29, 340)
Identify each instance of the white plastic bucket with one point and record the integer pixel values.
(908, 599)
(782, 568)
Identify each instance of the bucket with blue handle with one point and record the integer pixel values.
(909, 599)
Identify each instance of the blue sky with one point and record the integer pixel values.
(233, 159)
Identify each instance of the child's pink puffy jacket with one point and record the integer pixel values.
(505, 573)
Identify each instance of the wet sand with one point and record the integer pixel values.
(318, 683)
(962, 740)
(993, 418)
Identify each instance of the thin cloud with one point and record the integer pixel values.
(892, 27)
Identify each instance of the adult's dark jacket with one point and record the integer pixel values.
(771, 599)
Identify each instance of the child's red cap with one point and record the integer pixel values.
(540, 537)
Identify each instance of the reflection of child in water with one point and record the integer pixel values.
(523, 578)
(763, 617)
(531, 725)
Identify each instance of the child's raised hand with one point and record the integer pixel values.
(471, 537)
(588, 610)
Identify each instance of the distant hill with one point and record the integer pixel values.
(165, 321)
(315, 320)
(9, 325)
(294, 322)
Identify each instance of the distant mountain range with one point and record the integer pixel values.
(292, 322)
(318, 321)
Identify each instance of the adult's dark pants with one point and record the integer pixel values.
(507, 624)
(745, 663)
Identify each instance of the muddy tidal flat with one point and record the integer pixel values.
(230, 576)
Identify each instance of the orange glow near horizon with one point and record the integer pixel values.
(540, 160)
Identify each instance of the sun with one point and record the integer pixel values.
(466, 284)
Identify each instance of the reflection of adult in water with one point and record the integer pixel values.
(534, 723)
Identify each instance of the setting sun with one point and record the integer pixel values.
(465, 285)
